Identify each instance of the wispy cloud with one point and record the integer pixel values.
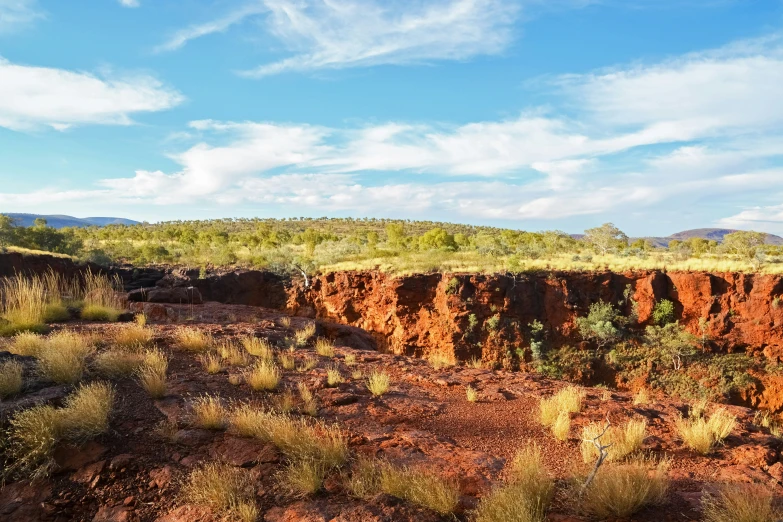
(183, 36)
(129, 3)
(16, 14)
(32, 97)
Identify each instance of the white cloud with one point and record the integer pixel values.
(15, 14)
(130, 3)
(219, 25)
(32, 97)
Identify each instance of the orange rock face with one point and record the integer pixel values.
(474, 315)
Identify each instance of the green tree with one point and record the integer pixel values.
(437, 239)
(7, 231)
(672, 341)
(601, 324)
(744, 243)
(606, 238)
(663, 312)
(395, 235)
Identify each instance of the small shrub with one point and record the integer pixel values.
(10, 379)
(740, 503)
(209, 413)
(303, 476)
(452, 286)
(116, 364)
(303, 335)
(192, 339)
(702, 434)
(263, 376)
(663, 312)
(133, 335)
(378, 383)
(228, 490)
(333, 376)
(211, 363)
(620, 490)
(562, 426)
(471, 393)
(623, 441)
(324, 347)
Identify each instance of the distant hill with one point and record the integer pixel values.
(60, 221)
(715, 234)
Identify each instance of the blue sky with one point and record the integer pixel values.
(657, 115)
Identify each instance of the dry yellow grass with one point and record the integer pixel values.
(303, 477)
(440, 360)
(324, 347)
(232, 355)
(193, 339)
(117, 363)
(209, 413)
(27, 343)
(285, 322)
(641, 397)
(103, 300)
(303, 335)
(620, 490)
(471, 393)
(568, 400)
(562, 426)
(349, 359)
(258, 347)
(378, 382)
(624, 440)
(307, 363)
(227, 490)
(23, 303)
(11, 380)
(34, 432)
(702, 434)
(284, 402)
(309, 402)
(63, 357)
(287, 361)
(526, 496)
(133, 335)
(740, 503)
(264, 375)
(211, 363)
(418, 486)
(333, 376)
(152, 373)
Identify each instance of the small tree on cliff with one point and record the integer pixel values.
(672, 341)
(602, 324)
(606, 238)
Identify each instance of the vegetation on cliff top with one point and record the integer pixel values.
(390, 245)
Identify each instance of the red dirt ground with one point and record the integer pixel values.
(134, 472)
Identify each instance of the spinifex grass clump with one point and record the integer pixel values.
(622, 440)
(378, 383)
(258, 347)
(63, 357)
(228, 490)
(23, 304)
(740, 503)
(152, 373)
(702, 434)
(11, 380)
(103, 299)
(555, 411)
(34, 433)
(263, 376)
(193, 339)
(620, 490)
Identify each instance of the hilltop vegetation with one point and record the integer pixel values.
(392, 245)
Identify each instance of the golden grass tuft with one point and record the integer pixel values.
(471, 393)
(623, 440)
(568, 400)
(440, 360)
(284, 402)
(309, 402)
(23, 303)
(287, 361)
(63, 357)
(264, 375)
(34, 432)
(285, 322)
(526, 496)
(620, 490)
(475, 362)
(211, 363)
(378, 382)
(228, 490)
(307, 363)
(116, 364)
(349, 359)
(233, 355)
(702, 434)
(562, 426)
(133, 335)
(303, 335)
(27, 343)
(193, 339)
(258, 347)
(235, 379)
(11, 380)
(209, 413)
(97, 312)
(152, 373)
(103, 300)
(333, 376)
(303, 477)
(641, 397)
(324, 347)
(418, 486)
(740, 503)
